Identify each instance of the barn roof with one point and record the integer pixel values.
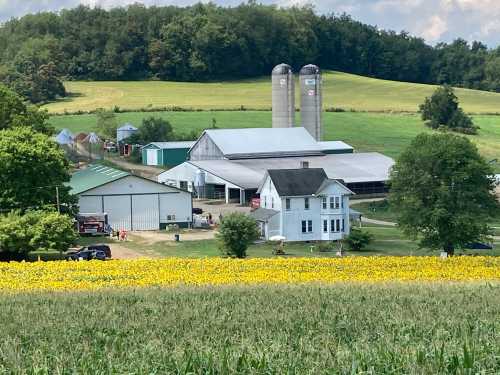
(94, 176)
(297, 182)
(127, 126)
(264, 142)
(171, 145)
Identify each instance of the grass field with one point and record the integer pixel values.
(341, 90)
(412, 328)
(386, 133)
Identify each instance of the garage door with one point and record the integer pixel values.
(152, 157)
(146, 212)
(90, 205)
(118, 210)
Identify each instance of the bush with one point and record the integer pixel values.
(325, 246)
(36, 230)
(358, 239)
(236, 232)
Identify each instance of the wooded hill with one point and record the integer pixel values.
(207, 42)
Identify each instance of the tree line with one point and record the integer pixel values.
(207, 42)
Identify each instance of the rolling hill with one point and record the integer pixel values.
(341, 90)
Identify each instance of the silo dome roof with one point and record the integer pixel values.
(309, 69)
(282, 69)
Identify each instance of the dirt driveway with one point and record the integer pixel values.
(150, 238)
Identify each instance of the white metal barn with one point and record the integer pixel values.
(131, 202)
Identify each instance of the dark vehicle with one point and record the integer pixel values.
(197, 211)
(98, 247)
(479, 246)
(87, 255)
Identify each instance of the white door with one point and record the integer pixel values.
(325, 224)
(145, 212)
(152, 157)
(118, 208)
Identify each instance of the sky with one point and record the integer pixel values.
(434, 20)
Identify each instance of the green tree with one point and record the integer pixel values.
(31, 167)
(14, 113)
(441, 111)
(236, 232)
(35, 230)
(443, 192)
(358, 239)
(153, 129)
(106, 124)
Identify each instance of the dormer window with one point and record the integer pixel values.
(306, 203)
(287, 204)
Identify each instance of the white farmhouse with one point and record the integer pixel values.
(303, 205)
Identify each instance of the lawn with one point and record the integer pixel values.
(340, 90)
(415, 328)
(385, 133)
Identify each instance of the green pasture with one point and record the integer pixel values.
(340, 90)
(381, 132)
(416, 328)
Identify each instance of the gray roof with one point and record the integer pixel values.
(172, 145)
(127, 126)
(297, 182)
(334, 145)
(351, 168)
(263, 214)
(264, 142)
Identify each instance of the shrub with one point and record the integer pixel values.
(236, 232)
(325, 246)
(36, 230)
(358, 239)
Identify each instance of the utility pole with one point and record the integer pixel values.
(57, 200)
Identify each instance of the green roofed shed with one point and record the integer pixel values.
(94, 176)
(168, 154)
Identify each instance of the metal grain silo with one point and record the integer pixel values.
(283, 87)
(311, 101)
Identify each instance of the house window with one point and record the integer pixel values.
(324, 203)
(309, 226)
(265, 201)
(325, 226)
(343, 225)
(342, 202)
(304, 226)
(332, 203)
(337, 226)
(306, 203)
(287, 204)
(332, 225)
(337, 202)
(272, 202)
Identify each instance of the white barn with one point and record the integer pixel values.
(303, 205)
(131, 202)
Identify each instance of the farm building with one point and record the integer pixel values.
(230, 164)
(125, 131)
(303, 205)
(168, 154)
(131, 202)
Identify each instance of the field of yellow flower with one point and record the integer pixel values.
(167, 272)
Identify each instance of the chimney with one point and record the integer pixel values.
(304, 164)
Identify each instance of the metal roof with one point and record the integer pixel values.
(171, 145)
(350, 168)
(281, 69)
(65, 137)
(94, 176)
(127, 126)
(334, 145)
(263, 214)
(264, 142)
(297, 182)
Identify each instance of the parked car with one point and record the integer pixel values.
(197, 211)
(87, 255)
(479, 246)
(97, 247)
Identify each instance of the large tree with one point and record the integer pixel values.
(153, 129)
(443, 191)
(13, 113)
(32, 166)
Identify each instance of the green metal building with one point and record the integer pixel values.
(167, 154)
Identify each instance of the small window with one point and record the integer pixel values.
(309, 226)
(306, 203)
(337, 202)
(265, 201)
(343, 225)
(287, 204)
(304, 226)
(325, 226)
(272, 202)
(332, 225)
(332, 203)
(337, 226)
(342, 202)
(324, 203)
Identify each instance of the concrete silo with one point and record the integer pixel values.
(283, 87)
(311, 101)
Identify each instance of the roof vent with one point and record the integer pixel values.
(304, 164)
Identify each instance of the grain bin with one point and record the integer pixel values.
(283, 96)
(311, 100)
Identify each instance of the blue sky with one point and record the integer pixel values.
(433, 20)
